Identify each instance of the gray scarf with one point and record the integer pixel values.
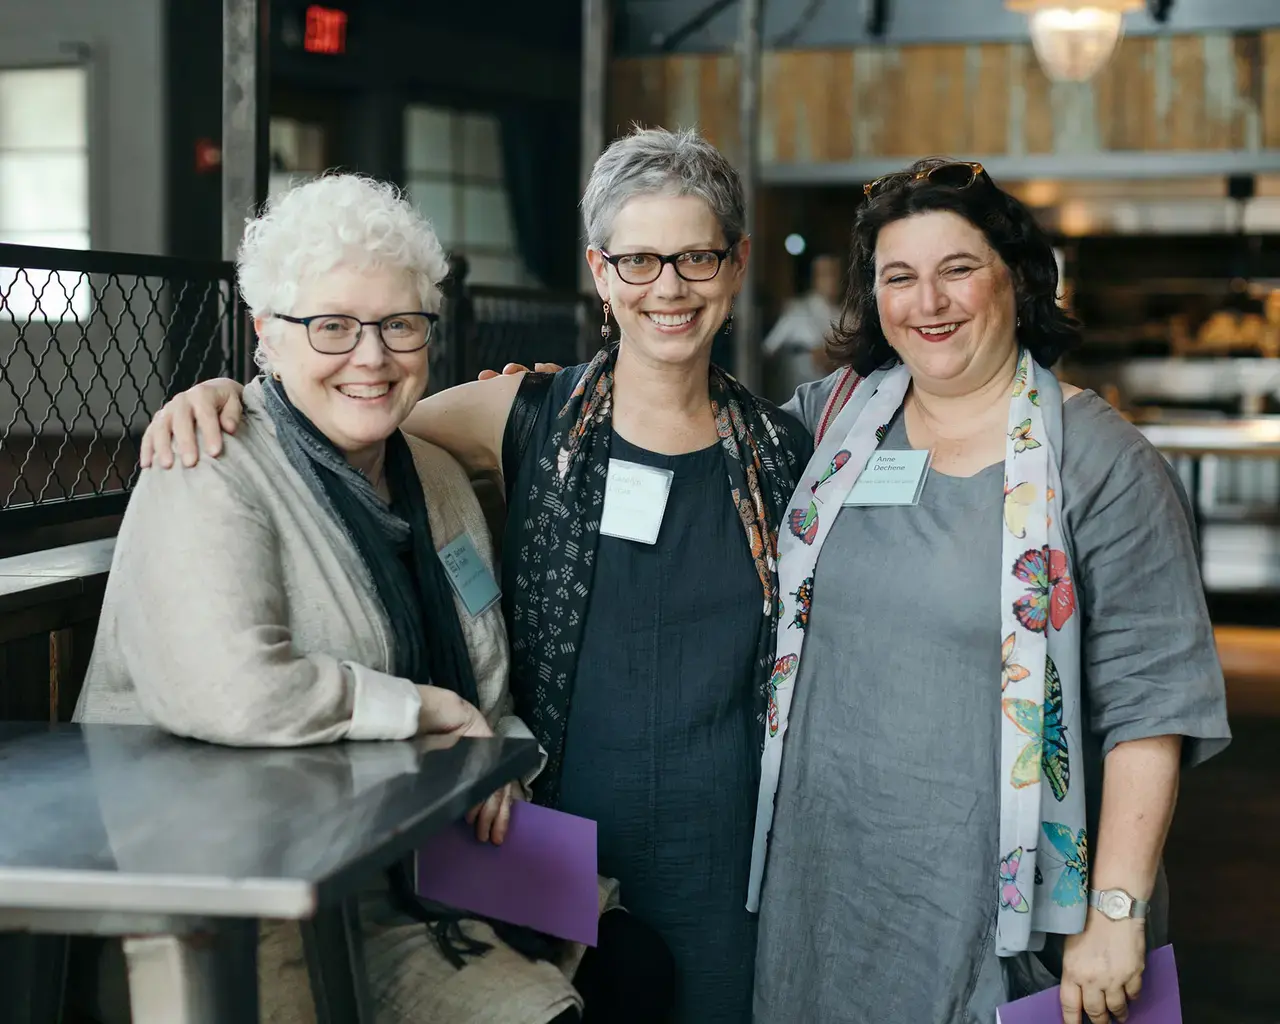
(394, 542)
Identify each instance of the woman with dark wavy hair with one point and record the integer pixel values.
(995, 656)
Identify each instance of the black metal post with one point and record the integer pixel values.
(595, 84)
(246, 114)
(450, 356)
(746, 329)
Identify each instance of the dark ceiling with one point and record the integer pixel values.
(556, 24)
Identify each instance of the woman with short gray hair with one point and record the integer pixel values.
(645, 493)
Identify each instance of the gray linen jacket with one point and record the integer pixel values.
(238, 612)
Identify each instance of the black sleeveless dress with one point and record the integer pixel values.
(662, 748)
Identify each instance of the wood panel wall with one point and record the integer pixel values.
(1163, 93)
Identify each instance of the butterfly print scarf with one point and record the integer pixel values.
(1043, 868)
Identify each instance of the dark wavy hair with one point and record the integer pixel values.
(1046, 329)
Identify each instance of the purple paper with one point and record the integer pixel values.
(543, 876)
(1158, 1003)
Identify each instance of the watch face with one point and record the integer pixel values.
(1115, 904)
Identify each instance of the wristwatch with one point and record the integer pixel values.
(1118, 905)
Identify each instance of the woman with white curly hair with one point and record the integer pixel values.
(314, 607)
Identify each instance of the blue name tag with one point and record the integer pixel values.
(891, 478)
(471, 579)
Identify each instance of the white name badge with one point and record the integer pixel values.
(635, 499)
(891, 478)
(470, 577)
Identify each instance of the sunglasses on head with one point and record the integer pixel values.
(954, 175)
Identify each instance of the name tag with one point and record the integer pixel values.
(470, 577)
(891, 478)
(635, 500)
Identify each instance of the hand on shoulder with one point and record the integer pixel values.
(519, 368)
(207, 410)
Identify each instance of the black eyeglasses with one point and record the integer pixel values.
(333, 334)
(646, 267)
(950, 175)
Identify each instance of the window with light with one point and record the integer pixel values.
(44, 186)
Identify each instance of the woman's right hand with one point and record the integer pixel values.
(444, 713)
(212, 407)
(519, 368)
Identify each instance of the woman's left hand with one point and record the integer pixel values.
(492, 817)
(1102, 969)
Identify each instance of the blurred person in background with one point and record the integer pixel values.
(795, 347)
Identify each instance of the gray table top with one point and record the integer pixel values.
(1259, 436)
(129, 819)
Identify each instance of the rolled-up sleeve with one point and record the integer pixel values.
(1150, 663)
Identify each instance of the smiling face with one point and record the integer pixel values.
(946, 301)
(359, 398)
(669, 320)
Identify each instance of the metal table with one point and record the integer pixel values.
(1258, 436)
(181, 847)
(1189, 442)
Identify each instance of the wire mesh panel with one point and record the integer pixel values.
(485, 327)
(91, 345)
(524, 327)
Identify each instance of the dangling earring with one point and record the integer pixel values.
(606, 328)
(728, 321)
(1019, 323)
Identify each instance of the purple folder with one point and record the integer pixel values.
(543, 876)
(1158, 1003)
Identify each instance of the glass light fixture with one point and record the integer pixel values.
(1074, 39)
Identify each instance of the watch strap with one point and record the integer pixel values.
(1138, 909)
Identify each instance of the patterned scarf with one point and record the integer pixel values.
(398, 551)
(1043, 868)
(394, 542)
(557, 556)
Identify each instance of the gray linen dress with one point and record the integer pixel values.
(880, 892)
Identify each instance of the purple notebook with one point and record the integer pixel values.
(1158, 1003)
(543, 876)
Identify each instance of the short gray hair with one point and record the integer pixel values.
(655, 161)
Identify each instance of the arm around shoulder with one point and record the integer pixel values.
(467, 421)
(202, 624)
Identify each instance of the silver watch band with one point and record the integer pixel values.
(1098, 899)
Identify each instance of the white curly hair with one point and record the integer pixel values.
(335, 220)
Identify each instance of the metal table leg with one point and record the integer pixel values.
(203, 977)
(32, 978)
(335, 962)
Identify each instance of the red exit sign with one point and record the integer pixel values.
(326, 30)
